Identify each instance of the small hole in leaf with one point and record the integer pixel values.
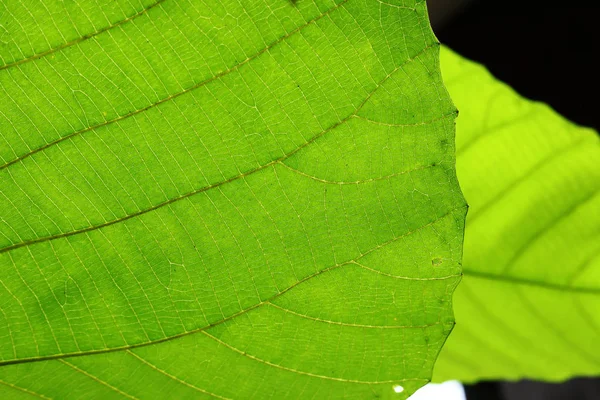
(398, 389)
(437, 261)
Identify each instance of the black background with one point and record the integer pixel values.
(546, 50)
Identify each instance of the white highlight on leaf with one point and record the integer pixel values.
(449, 390)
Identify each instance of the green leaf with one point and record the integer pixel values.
(236, 199)
(527, 306)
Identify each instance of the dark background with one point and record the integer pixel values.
(547, 51)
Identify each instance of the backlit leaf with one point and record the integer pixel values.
(231, 199)
(529, 302)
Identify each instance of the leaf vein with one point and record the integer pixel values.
(81, 38)
(243, 353)
(96, 379)
(218, 184)
(233, 316)
(175, 95)
(327, 321)
(173, 377)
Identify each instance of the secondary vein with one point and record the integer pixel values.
(175, 95)
(218, 184)
(231, 317)
(81, 38)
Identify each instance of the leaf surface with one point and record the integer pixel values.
(233, 199)
(528, 305)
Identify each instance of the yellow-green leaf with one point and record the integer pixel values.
(528, 305)
(231, 199)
